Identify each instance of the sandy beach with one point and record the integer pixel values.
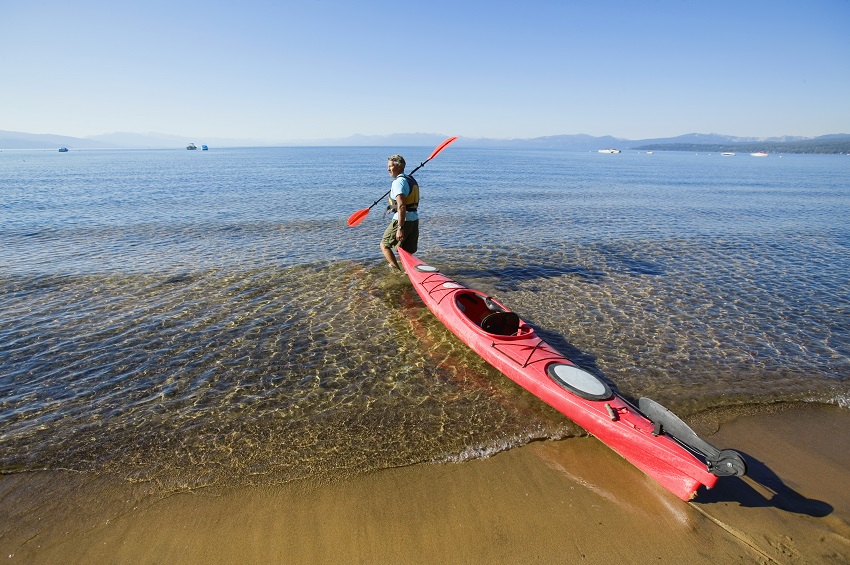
(569, 501)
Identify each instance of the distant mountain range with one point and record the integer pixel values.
(577, 142)
(826, 144)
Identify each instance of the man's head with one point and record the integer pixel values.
(395, 165)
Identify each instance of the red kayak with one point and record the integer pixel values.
(651, 437)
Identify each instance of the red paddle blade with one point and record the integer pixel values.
(357, 217)
(442, 146)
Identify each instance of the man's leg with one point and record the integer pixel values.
(388, 253)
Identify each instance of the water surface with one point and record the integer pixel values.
(193, 318)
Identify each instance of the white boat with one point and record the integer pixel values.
(759, 154)
(727, 154)
(609, 150)
(191, 147)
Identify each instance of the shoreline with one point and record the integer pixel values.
(549, 501)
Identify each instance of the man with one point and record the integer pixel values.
(403, 201)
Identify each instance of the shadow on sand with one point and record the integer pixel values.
(761, 487)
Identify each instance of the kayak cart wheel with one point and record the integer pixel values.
(579, 382)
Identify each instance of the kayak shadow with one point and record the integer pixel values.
(761, 487)
(583, 359)
(508, 278)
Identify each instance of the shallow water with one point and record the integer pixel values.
(193, 318)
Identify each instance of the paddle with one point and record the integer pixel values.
(359, 215)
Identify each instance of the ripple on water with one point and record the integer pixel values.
(323, 370)
(263, 375)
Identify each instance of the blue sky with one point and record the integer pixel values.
(312, 69)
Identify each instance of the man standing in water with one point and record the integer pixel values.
(403, 201)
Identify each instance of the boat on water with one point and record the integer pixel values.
(609, 151)
(648, 435)
(191, 147)
(759, 154)
(63, 150)
(727, 154)
(205, 148)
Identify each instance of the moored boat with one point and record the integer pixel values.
(759, 154)
(649, 436)
(609, 151)
(727, 154)
(191, 147)
(63, 150)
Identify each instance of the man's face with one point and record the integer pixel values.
(393, 169)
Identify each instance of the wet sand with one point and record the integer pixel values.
(570, 501)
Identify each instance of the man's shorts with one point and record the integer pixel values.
(411, 236)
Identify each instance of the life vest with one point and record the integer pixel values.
(411, 202)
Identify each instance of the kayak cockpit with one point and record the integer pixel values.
(490, 316)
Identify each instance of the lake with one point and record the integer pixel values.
(190, 318)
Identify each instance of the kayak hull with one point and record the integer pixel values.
(533, 364)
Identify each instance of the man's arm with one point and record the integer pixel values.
(402, 213)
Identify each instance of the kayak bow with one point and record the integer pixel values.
(652, 438)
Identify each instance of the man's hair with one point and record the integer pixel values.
(397, 160)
